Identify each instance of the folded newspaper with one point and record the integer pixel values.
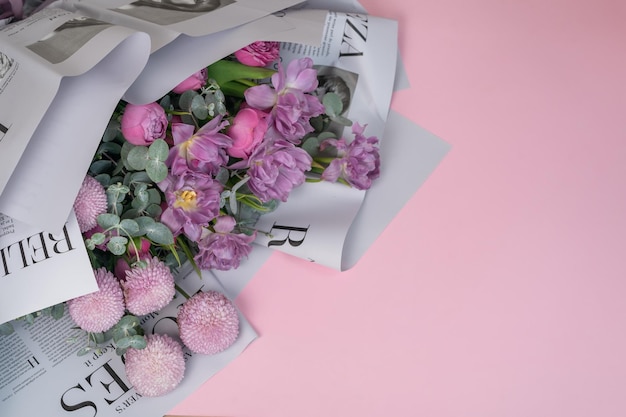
(353, 52)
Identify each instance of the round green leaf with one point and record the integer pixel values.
(117, 245)
(332, 104)
(130, 227)
(157, 170)
(160, 234)
(108, 220)
(138, 157)
(158, 150)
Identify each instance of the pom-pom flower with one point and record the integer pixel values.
(90, 202)
(99, 311)
(148, 289)
(158, 368)
(208, 323)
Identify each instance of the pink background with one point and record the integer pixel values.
(499, 290)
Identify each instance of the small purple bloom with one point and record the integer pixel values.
(276, 168)
(204, 150)
(193, 200)
(291, 105)
(359, 161)
(223, 250)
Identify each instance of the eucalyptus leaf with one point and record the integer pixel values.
(332, 104)
(131, 213)
(112, 130)
(129, 227)
(104, 179)
(157, 170)
(311, 146)
(101, 166)
(342, 120)
(139, 177)
(57, 311)
(154, 196)
(6, 329)
(123, 343)
(98, 238)
(117, 245)
(154, 210)
(138, 158)
(145, 223)
(109, 148)
(108, 220)
(137, 342)
(186, 99)
(127, 322)
(158, 150)
(199, 108)
(160, 234)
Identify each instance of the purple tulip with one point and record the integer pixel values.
(193, 200)
(359, 161)
(276, 168)
(289, 104)
(204, 150)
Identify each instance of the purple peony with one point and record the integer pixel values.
(193, 200)
(291, 105)
(222, 249)
(258, 54)
(158, 368)
(276, 168)
(204, 150)
(359, 161)
(208, 323)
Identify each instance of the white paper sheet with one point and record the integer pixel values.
(39, 269)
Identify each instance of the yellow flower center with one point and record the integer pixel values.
(186, 200)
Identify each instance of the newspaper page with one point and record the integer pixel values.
(356, 60)
(40, 269)
(41, 374)
(64, 75)
(165, 20)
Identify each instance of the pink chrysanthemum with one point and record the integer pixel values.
(148, 289)
(90, 202)
(99, 311)
(208, 323)
(158, 368)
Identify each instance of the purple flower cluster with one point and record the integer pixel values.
(288, 102)
(359, 162)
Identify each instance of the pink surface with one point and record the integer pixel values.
(499, 289)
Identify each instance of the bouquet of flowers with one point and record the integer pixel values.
(184, 181)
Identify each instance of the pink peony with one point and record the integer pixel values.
(148, 289)
(158, 368)
(99, 311)
(208, 323)
(247, 131)
(143, 124)
(193, 82)
(258, 54)
(90, 202)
